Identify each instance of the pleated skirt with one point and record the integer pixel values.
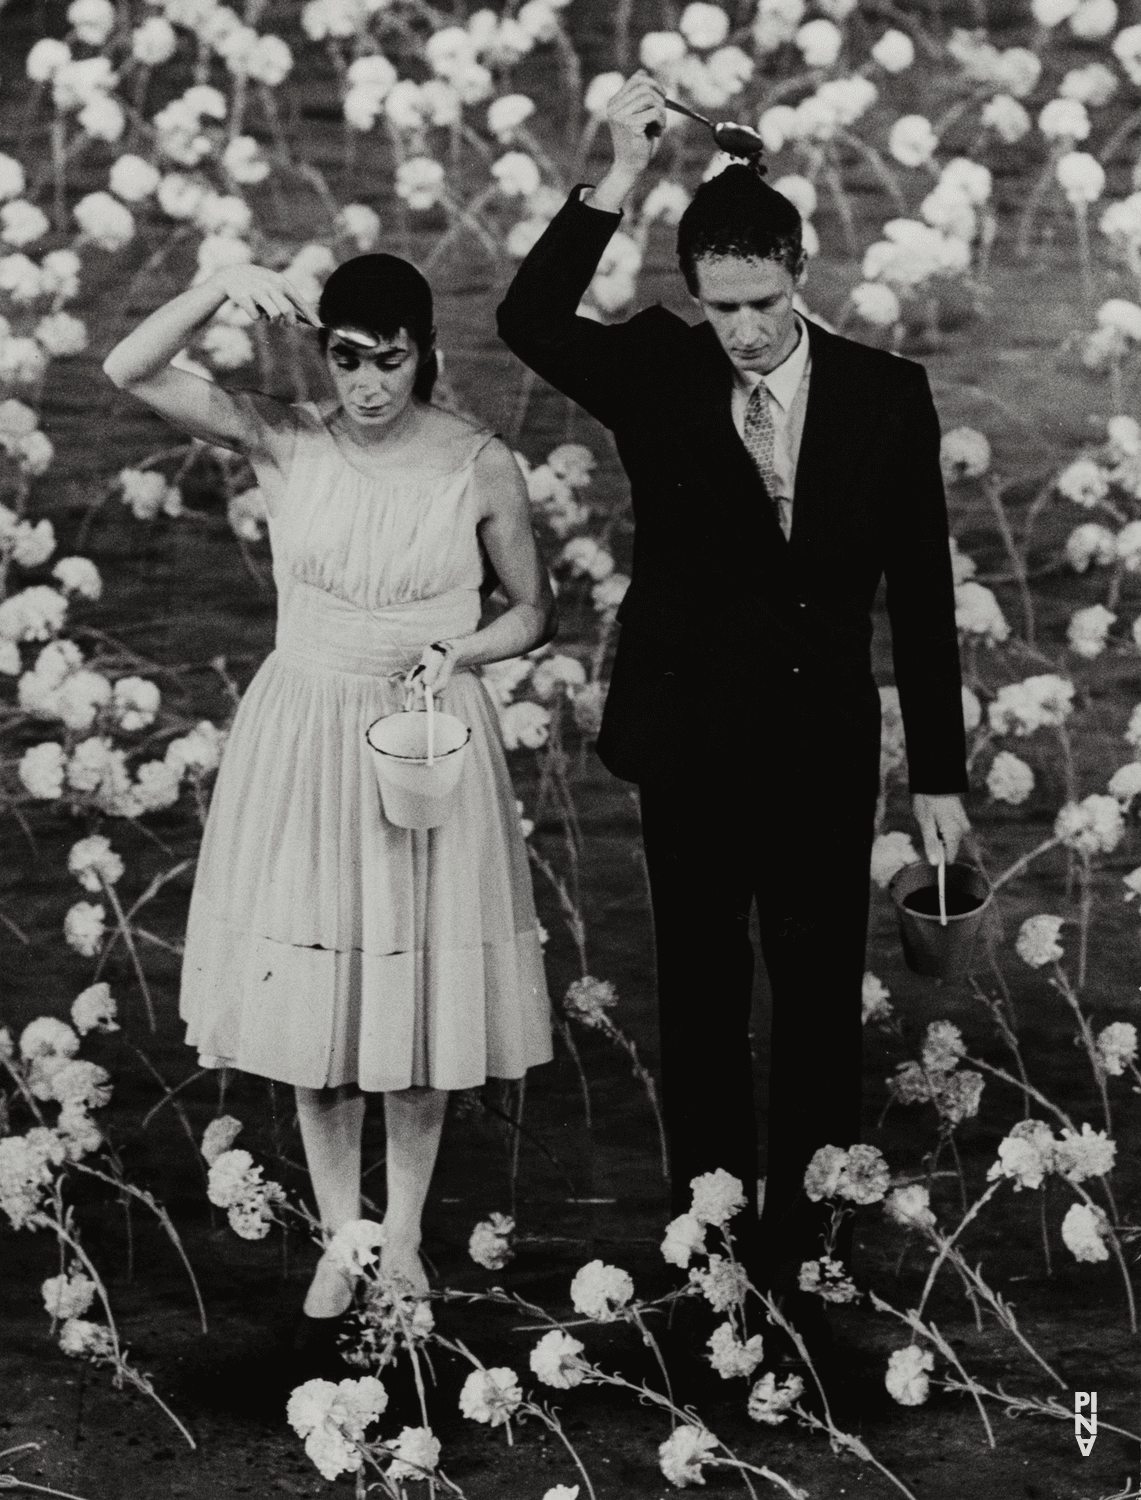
(327, 946)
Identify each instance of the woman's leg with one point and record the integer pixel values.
(414, 1120)
(331, 1121)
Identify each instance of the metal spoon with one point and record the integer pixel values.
(735, 140)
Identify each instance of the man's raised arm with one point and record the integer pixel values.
(538, 318)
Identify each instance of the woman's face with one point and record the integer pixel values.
(374, 385)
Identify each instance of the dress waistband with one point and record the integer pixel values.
(319, 629)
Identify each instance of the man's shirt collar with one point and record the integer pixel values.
(783, 382)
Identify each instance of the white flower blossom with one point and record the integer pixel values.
(964, 453)
(94, 1009)
(717, 1196)
(875, 1000)
(1088, 630)
(83, 928)
(723, 1283)
(1093, 826)
(600, 1292)
(490, 1242)
(416, 1454)
(912, 140)
(490, 1396)
(1009, 779)
(730, 1357)
(1090, 543)
(1090, 1154)
(907, 1375)
(978, 613)
(771, 1403)
(895, 51)
(910, 1207)
(94, 863)
(1037, 942)
(555, 1359)
(1020, 708)
(1085, 1230)
(890, 852)
(1117, 1047)
(684, 1452)
(68, 1296)
(684, 1238)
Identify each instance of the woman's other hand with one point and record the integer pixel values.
(434, 669)
(264, 294)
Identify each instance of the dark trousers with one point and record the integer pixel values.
(799, 845)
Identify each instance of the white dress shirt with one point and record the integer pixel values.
(787, 389)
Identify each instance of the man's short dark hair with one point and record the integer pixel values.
(738, 213)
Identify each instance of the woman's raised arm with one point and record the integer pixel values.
(140, 363)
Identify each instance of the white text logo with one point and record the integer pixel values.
(1085, 1427)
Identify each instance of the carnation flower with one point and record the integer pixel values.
(1117, 1047)
(47, 1036)
(416, 1454)
(977, 612)
(1093, 826)
(1085, 1230)
(590, 1000)
(516, 174)
(68, 1296)
(41, 770)
(1089, 629)
(771, 1403)
(1122, 316)
(11, 177)
(912, 140)
(136, 703)
(22, 223)
(420, 182)
(1090, 543)
(78, 575)
(219, 1136)
(704, 26)
(684, 1452)
(876, 304)
(1090, 1154)
(890, 852)
(1081, 177)
(1027, 1155)
(906, 1377)
(717, 1196)
(82, 1340)
(910, 1207)
(491, 1396)
(104, 221)
(1037, 943)
(94, 1009)
(1084, 482)
(822, 1175)
(685, 1238)
(599, 1291)
(94, 863)
(1009, 779)
(1125, 783)
(33, 614)
(26, 1163)
(875, 1000)
(820, 43)
(894, 52)
(525, 724)
(958, 1096)
(1019, 708)
(828, 1279)
(490, 1242)
(1064, 120)
(555, 1360)
(332, 1419)
(723, 1283)
(730, 1357)
(964, 453)
(83, 928)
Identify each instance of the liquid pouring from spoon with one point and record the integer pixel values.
(734, 140)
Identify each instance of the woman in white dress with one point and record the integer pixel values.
(326, 947)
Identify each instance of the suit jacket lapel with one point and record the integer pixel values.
(832, 438)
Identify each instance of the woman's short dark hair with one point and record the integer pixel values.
(738, 213)
(383, 294)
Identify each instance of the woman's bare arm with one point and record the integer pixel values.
(140, 363)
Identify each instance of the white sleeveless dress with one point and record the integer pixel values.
(324, 945)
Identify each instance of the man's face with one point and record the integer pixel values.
(749, 305)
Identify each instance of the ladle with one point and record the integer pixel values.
(734, 140)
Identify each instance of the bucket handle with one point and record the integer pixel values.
(429, 705)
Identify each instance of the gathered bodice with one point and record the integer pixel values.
(371, 565)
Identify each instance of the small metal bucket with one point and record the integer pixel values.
(940, 952)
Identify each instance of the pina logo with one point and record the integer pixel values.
(1085, 1427)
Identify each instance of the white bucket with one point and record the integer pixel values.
(418, 758)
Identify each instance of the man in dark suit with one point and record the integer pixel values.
(777, 472)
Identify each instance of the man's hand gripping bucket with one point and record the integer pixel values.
(418, 756)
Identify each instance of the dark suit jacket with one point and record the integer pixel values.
(711, 564)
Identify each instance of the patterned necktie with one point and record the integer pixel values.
(760, 441)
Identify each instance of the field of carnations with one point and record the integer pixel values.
(970, 177)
